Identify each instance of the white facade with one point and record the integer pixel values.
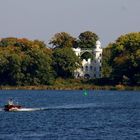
(90, 68)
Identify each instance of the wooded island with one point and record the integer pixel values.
(25, 62)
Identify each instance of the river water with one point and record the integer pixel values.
(71, 115)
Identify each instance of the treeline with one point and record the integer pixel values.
(121, 60)
(26, 62)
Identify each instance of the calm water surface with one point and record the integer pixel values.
(71, 115)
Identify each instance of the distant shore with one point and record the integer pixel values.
(72, 84)
(88, 87)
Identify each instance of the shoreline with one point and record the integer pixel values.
(66, 87)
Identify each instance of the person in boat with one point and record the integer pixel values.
(10, 102)
(11, 106)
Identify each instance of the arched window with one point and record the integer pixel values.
(86, 56)
(86, 68)
(91, 67)
(87, 76)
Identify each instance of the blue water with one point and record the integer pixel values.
(72, 115)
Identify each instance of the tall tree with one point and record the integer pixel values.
(65, 62)
(125, 58)
(87, 39)
(106, 61)
(61, 40)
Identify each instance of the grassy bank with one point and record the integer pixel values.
(72, 84)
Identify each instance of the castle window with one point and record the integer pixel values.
(91, 67)
(86, 68)
(87, 76)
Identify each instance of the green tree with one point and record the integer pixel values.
(10, 41)
(37, 67)
(106, 61)
(61, 40)
(25, 62)
(65, 62)
(10, 62)
(87, 39)
(125, 58)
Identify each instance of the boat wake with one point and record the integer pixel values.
(63, 107)
(29, 109)
(71, 107)
(24, 109)
(94, 106)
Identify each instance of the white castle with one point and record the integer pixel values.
(91, 68)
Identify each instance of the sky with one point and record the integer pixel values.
(41, 19)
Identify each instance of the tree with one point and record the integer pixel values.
(61, 40)
(106, 61)
(38, 67)
(25, 62)
(125, 58)
(10, 41)
(87, 39)
(65, 62)
(10, 62)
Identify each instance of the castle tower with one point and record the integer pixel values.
(98, 59)
(91, 68)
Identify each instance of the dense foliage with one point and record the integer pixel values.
(63, 39)
(106, 62)
(65, 62)
(87, 39)
(123, 59)
(24, 62)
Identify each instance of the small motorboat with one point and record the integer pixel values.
(12, 107)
